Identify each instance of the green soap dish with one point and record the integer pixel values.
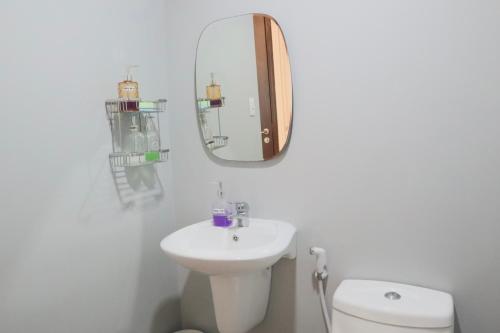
(152, 156)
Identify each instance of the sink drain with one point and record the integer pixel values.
(392, 295)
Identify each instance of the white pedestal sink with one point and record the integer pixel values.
(238, 262)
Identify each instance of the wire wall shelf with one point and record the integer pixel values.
(135, 132)
(138, 159)
(122, 105)
(207, 105)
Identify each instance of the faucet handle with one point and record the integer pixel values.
(242, 208)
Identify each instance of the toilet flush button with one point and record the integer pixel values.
(392, 295)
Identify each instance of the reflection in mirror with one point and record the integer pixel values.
(244, 88)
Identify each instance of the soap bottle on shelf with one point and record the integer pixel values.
(136, 142)
(128, 91)
(222, 211)
(152, 140)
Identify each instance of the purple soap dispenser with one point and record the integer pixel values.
(222, 210)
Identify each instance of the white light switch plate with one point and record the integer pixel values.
(251, 107)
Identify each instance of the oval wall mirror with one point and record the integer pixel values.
(244, 88)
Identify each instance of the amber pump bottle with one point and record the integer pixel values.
(128, 91)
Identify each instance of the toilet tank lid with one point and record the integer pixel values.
(394, 303)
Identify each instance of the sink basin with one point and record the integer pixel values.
(238, 262)
(215, 251)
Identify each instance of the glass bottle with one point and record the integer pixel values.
(152, 135)
(152, 141)
(136, 141)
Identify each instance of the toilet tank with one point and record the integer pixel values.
(364, 306)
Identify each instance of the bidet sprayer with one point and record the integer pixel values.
(321, 271)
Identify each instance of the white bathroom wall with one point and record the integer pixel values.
(234, 64)
(72, 258)
(393, 164)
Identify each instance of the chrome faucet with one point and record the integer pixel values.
(241, 217)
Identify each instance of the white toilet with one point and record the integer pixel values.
(363, 306)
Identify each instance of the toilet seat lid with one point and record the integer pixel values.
(394, 303)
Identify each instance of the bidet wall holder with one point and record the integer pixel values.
(321, 272)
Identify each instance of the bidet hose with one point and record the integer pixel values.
(322, 297)
(321, 274)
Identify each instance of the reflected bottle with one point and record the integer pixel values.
(213, 90)
(206, 131)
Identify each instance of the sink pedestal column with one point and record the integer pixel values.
(240, 300)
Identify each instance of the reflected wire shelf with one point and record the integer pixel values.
(217, 142)
(206, 105)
